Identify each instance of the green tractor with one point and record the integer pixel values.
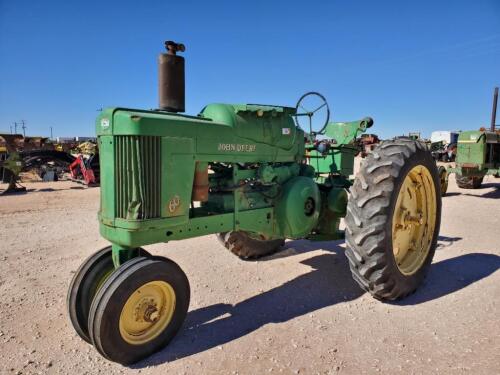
(253, 175)
(478, 155)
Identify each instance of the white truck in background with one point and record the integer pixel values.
(444, 136)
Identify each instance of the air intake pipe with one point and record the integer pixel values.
(171, 86)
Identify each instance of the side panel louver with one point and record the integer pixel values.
(137, 173)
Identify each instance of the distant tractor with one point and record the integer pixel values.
(253, 175)
(478, 153)
(414, 135)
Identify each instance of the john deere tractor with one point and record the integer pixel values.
(478, 155)
(254, 175)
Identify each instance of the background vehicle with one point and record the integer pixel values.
(478, 153)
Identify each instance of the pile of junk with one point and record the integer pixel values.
(41, 159)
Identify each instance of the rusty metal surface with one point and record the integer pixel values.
(367, 142)
(200, 183)
(17, 143)
(37, 143)
(470, 165)
(171, 85)
(173, 47)
(12, 142)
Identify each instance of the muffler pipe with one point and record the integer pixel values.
(494, 109)
(171, 85)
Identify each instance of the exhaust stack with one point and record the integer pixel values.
(171, 85)
(494, 110)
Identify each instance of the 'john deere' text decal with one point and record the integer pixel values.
(229, 147)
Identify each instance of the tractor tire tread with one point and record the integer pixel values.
(246, 247)
(465, 182)
(369, 214)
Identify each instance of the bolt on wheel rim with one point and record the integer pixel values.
(147, 312)
(414, 220)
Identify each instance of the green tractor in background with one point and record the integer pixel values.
(254, 175)
(478, 155)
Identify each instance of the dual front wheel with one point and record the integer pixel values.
(131, 312)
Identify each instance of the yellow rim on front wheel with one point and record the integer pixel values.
(147, 312)
(414, 220)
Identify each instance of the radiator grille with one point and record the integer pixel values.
(137, 177)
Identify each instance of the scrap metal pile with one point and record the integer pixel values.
(20, 154)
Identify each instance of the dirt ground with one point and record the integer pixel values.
(296, 312)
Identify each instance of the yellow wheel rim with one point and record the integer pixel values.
(442, 180)
(147, 312)
(103, 279)
(414, 220)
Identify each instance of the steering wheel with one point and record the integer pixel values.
(315, 100)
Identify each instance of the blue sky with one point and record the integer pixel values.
(411, 65)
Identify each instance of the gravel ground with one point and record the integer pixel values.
(296, 312)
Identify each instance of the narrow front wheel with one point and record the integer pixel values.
(139, 309)
(86, 281)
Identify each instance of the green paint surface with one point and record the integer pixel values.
(261, 178)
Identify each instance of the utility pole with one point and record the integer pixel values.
(15, 127)
(51, 132)
(11, 129)
(24, 128)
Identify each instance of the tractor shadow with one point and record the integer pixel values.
(329, 282)
(13, 193)
(492, 194)
(444, 242)
(295, 247)
(451, 194)
(50, 189)
(451, 275)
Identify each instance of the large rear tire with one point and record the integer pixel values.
(246, 247)
(393, 218)
(465, 182)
